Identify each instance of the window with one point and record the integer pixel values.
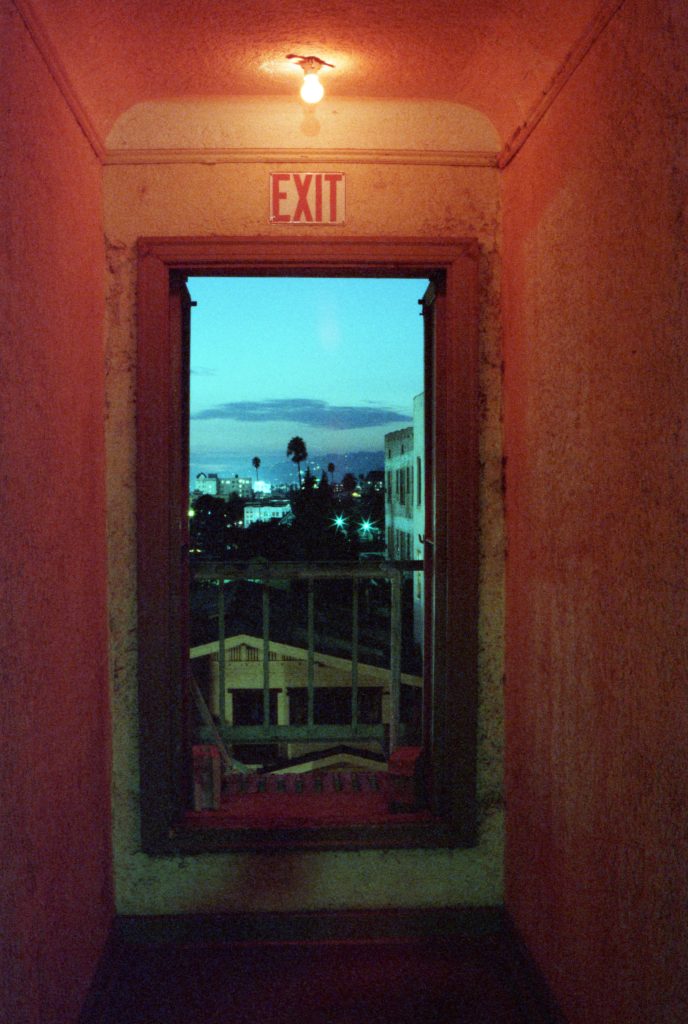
(333, 705)
(247, 709)
(449, 714)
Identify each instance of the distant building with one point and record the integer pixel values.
(206, 483)
(265, 511)
(373, 482)
(262, 487)
(240, 486)
(223, 486)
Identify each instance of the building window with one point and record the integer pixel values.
(449, 737)
(333, 705)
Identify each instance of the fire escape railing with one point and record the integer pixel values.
(265, 574)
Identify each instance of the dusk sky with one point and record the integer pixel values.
(337, 361)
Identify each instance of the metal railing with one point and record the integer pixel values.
(266, 574)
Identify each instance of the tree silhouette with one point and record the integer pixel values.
(330, 470)
(349, 483)
(209, 527)
(296, 451)
(313, 532)
(255, 462)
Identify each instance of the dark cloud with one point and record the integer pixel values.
(309, 411)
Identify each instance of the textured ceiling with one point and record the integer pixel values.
(497, 56)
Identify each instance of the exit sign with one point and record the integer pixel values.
(316, 197)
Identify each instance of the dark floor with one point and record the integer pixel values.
(461, 979)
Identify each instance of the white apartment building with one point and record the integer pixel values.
(265, 511)
(418, 501)
(405, 501)
(399, 493)
(206, 483)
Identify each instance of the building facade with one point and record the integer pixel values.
(405, 502)
(418, 502)
(265, 511)
(399, 477)
(207, 483)
(244, 680)
(239, 486)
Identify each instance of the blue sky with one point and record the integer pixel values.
(334, 360)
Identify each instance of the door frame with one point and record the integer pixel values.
(452, 378)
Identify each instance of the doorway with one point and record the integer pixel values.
(314, 677)
(450, 537)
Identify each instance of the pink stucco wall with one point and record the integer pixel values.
(596, 388)
(227, 199)
(55, 857)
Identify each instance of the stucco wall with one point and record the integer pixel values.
(231, 200)
(595, 429)
(55, 859)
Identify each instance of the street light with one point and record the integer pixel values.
(367, 527)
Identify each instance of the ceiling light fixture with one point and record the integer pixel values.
(311, 90)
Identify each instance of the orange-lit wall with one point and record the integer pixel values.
(55, 845)
(596, 362)
(228, 198)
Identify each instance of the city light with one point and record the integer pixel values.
(339, 523)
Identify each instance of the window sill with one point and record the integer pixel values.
(333, 810)
(406, 831)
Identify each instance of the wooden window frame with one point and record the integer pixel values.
(452, 551)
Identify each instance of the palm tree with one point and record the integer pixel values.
(296, 451)
(255, 462)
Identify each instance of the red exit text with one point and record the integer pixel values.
(312, 198)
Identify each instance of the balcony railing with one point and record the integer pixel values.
(267, 575)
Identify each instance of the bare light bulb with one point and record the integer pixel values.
(311, 90)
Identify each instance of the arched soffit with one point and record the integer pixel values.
(495, 56)
(251, 123)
